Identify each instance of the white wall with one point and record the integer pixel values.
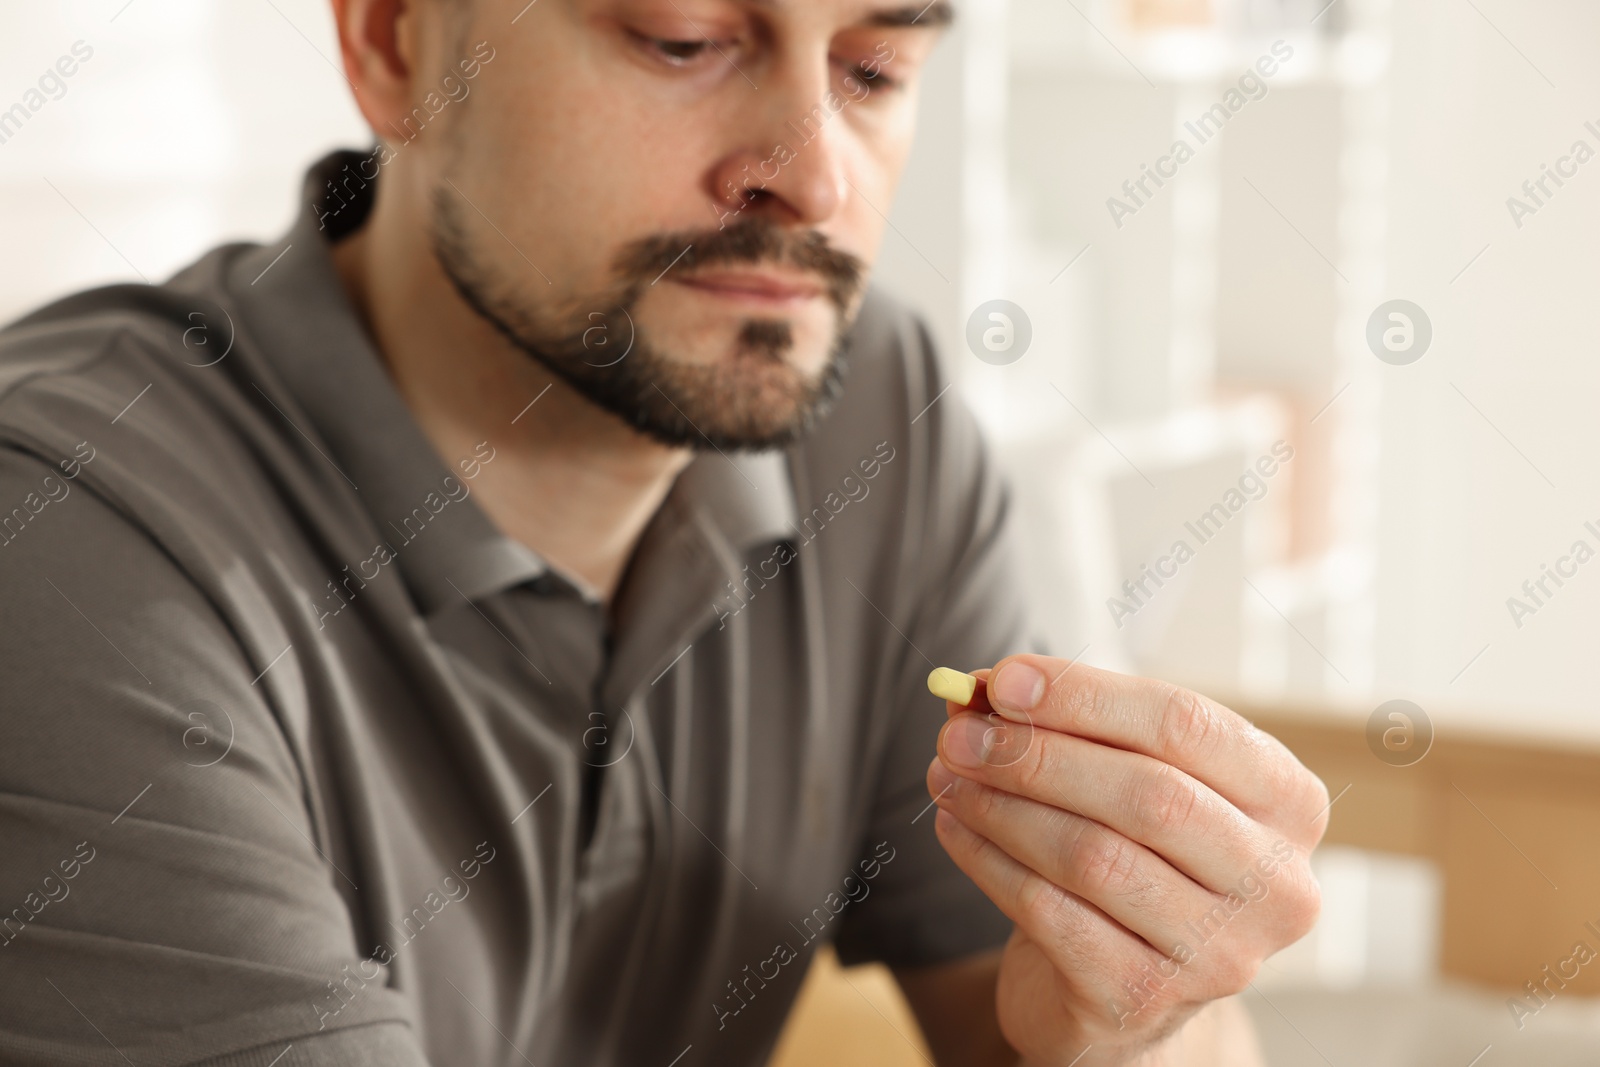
(1466, 518)
(191, 124)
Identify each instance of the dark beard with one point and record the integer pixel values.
(756, 402)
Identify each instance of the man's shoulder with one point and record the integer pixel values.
(66, 368)
(157, 378)
(153, 399)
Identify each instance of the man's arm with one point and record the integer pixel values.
(955, 1006)
(163, 897)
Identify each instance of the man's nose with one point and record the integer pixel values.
(791, 155)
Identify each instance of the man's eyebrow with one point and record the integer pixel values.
(933, 14)
(937, 14)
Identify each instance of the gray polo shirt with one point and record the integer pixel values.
(302, 761)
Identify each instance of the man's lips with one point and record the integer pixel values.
(759, 286)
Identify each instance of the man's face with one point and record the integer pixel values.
(673, 204)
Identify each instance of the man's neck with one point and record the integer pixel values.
(570, 481)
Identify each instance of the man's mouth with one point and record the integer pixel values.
(764, 288)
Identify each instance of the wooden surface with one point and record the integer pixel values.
(1514, 828)
(851, 1017)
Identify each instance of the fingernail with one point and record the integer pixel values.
(1018, 687)
(967, 741)
(940, 779)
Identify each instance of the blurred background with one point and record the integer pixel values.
(1199, 216)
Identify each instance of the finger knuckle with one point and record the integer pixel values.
(983, 803)
(1189, 722)
(1297, 791)
(1109, 866)
(1046, 910)
(976, 850)
(1166, 802)
(1299, 902)
(1318, 803)
(1088, 701)
(1028, 759)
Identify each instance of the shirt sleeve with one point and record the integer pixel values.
(164, 896)
(970, 609)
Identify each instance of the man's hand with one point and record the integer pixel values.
(1150, 845)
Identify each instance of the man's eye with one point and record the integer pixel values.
(871, 75)
(677, 52)
(875, 78)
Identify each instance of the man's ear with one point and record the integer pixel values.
(378, 41)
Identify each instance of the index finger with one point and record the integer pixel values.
(1179, 727)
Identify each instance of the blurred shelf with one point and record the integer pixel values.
(1175, 59)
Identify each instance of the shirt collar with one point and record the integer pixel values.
(447, 548)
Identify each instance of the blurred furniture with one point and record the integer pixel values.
(1512, 826)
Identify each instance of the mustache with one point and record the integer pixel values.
(749, 241)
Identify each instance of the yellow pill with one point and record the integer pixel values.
(951, 684)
